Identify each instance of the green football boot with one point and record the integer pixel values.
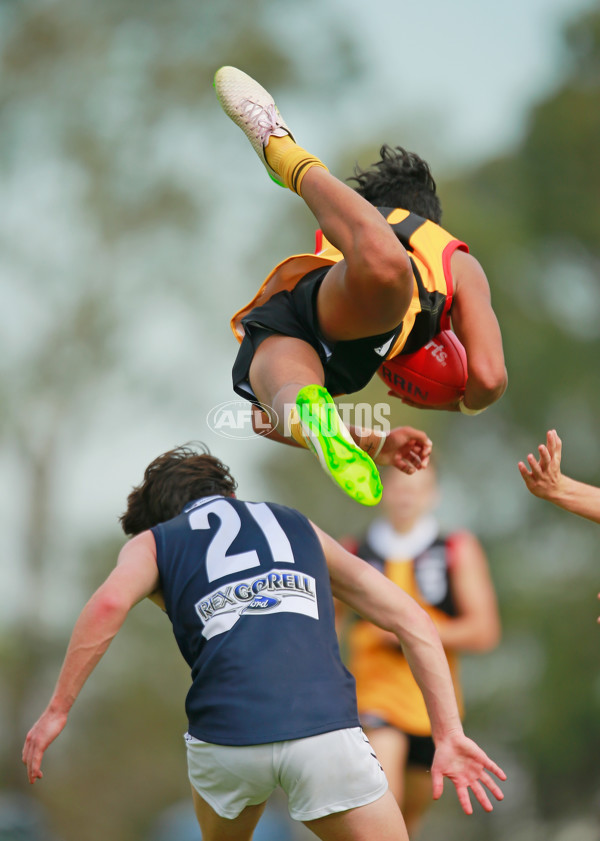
(349, 466)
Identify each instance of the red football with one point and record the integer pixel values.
(434, 375)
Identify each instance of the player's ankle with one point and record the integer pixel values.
(294, 428)
(290, 161)
(276, 149)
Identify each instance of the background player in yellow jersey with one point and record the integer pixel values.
(323, 324)
(448, 576)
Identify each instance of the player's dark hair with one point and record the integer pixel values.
(399, 179)
(172, 480)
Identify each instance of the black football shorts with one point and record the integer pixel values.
(348, 365)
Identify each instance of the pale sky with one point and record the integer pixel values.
(466, 72)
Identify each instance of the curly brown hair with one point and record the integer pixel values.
(172, 480)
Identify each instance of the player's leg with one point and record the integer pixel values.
(381, 820)
(281, 366)
(369, 292)
(391, 748)
(417, 798)
(216, 828)
(287, 375)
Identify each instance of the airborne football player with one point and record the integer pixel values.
(384, 282)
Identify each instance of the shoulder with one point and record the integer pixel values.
(291, 515)
(467, 271)
(463, 261)
(462, 547)
(142, 544)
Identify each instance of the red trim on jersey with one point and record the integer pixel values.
(446, 257)
(453, 544)
(318, 240)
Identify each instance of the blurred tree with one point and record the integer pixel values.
(111, 212)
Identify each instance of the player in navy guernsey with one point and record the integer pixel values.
(248, 588)
(254, 622)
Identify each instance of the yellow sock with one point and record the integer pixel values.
(295, 427)
(290, 161)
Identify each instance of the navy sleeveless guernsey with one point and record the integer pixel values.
(247, 590)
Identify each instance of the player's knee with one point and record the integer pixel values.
(387, 271)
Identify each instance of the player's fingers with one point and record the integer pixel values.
(494, 768)
(544, 456)
(416, 434)
(558, 446)
(492, 785)
(481, 795)
(463, 798)
(415, 457)
(437, 784)
(34, 774)
(523, 470)
(33, 768)
(26, 756)
(535, 468)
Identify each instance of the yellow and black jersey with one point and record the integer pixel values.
(420, 564)
(429, 247)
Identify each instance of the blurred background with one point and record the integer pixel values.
(134, 219)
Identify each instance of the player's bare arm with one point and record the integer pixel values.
(135, 577)
(476, 626)
(544, 479)
(378, 600)
(476, 325)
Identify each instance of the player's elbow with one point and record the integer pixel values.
(109, 606)
(490, 379)
(421, 625)
(487, 638)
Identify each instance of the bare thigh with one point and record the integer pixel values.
(216, 828)
(377, 821)
(417, 797)
(391, 748)
(350, 308)
(282, 365)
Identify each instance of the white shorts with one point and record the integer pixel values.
(320, 774)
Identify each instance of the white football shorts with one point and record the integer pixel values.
(321, 775)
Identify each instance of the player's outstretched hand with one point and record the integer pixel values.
(406, 448)
(462, 761)
(543, 478)
(48, 726)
